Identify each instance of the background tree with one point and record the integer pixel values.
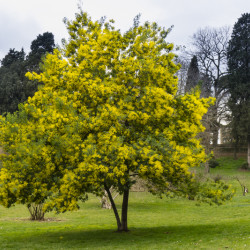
(39, 47)
(42, 45)
(184, 60)
(15, 88)
(12, 74)
(238, 55)
(193, 75)
(191, 79)
(210, 47)
(13, 56)
(108, 111)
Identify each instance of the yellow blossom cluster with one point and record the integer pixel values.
(107, 110)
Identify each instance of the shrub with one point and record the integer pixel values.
(213, 163)
(244, 166)
(217, 178)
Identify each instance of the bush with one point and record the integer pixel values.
(217, 178)
(244, 166)
(213, 163)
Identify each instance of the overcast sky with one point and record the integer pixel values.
(22, 20)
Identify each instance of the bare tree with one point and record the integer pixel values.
(183, 60)
(210, 48)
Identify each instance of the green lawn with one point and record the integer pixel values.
(154, 223)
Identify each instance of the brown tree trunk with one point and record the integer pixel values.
(248, 150)
(215, 137)
(207, 151)
(118, 221)
(235, 149)
(122, 225)
(125, 211)
(36, 211)
(207, 168)
(215, 126)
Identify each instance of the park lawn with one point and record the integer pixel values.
(154, 223)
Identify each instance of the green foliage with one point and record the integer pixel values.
(217, 178)
(15, 88)
(13, 56)
(239, 79)
(11, 80)
(238, 57)
(39, 47)
(244, 166)
(193, 75)
(213, 163)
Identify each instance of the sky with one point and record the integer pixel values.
(21, 21)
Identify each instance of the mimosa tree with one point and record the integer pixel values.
(107, 112)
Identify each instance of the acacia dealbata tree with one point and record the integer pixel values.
(107, 113)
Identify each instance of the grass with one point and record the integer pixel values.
(154, 223)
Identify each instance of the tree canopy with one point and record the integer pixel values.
(106, 115)
(39, 47)
(12, 75)
(15, 88)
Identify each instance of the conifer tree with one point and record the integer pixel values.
(239, 80)
(12, 74)
(193, 75)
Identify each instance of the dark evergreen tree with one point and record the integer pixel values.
(13, 56)
(12, 81)
(39, 47)
(15, 88)
(193, 75)
(239, 80)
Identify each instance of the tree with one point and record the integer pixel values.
(39, 47)
(12, 57)
(210, 45)
(12, 74)
(193, 75)
(182, 76)
(190, 78)
(108, 111)
(238, 55)
(42, 45)
(15, 87)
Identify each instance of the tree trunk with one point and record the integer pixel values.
(125, 211)
(248, 150)
(36, 211)
(236, 149)
(207, 168)
(215, 137)
(118, 221)
(105, 201)
(207, 151)
(122, 225)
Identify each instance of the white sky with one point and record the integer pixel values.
(21, 21)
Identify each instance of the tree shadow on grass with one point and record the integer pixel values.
(137, 238)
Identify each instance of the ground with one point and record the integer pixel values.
(154, 223)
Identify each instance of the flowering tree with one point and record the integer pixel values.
(108, 111)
